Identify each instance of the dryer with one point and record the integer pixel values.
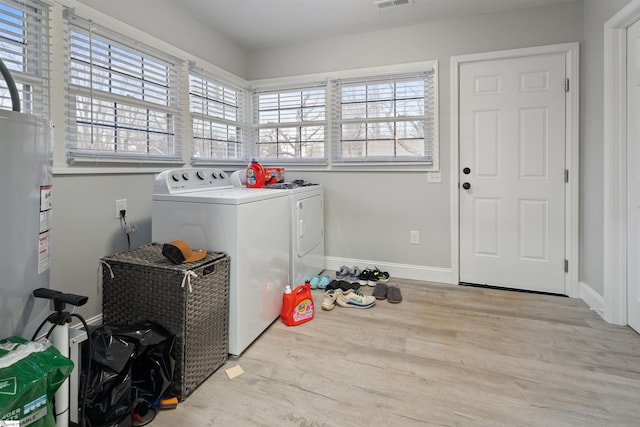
(306, 249)
(252, 225)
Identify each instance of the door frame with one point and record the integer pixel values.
(572, 159)
(615, 162)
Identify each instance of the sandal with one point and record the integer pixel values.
(380, 291)
(324, 281)
(394, 295)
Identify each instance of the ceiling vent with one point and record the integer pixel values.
(387, 4)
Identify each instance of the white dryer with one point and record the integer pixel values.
(306, 250)
(252, 225)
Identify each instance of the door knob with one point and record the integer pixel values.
(466, 171)
(466, 186)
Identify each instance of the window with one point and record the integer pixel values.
(122, 97)
(217, 118)
(384, 119)
(24, 48)
(291, 123)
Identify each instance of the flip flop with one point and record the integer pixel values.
(394, 295)
(380, 291)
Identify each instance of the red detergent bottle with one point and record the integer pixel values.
(255, 174)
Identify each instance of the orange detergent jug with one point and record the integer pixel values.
(255, 174)
(297, 305)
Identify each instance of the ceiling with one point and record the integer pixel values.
(263, 24)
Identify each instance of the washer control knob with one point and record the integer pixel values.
(185, 176)
(175, 177)
(200, 175)
(213, 175)
(222, 175)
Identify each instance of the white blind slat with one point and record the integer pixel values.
(290, 123)
(123, 96)
(386, 118)
(218, 119)
(25, 50)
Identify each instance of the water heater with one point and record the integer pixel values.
(26, 158)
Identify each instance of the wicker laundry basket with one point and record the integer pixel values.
(190, 300)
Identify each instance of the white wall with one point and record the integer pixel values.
(596, 13)
(164, 20)
(85, 228)
(369, 216)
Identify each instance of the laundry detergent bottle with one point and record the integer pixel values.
(255, 174)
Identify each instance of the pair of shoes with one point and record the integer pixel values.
(390, 293)
(353, 298)
(343, 284)
(367, 277)
(372, 277)
(320, 282)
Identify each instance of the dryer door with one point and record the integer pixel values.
(309, 224)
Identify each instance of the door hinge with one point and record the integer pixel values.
(566, 265)
(566, 175)
(566, 85)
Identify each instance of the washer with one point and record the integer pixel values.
(306, 249)
(252, 225)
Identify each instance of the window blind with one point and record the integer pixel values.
(388, 118)
(123, 97)
(24, 48)
(291, 123)
(217, 118)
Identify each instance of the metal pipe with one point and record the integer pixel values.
(11, 84)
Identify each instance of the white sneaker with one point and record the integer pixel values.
(329, 300)
(355, 299)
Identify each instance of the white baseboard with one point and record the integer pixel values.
(405, 271)
(593, 299)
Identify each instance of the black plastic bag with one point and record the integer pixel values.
(131, 367)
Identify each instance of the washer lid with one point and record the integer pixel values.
(232, 196)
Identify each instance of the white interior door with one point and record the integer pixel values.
(633, 176)
(512, 159)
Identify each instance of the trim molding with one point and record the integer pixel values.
(405, 271)
(594, 300)
(572, 229)
(615, 164)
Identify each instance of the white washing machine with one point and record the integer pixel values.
(306, 249)
(252, 225)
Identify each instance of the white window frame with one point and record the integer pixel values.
(216, 108)
(372, 105)
(285, 106)
(129, 99)
(25, 49)
(331, 160)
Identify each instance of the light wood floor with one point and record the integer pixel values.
(446, 356)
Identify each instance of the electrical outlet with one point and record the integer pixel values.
(132, 228)
(121, 205)
(433, 177)
(415, 237)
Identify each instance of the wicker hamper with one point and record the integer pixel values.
(190, 300)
